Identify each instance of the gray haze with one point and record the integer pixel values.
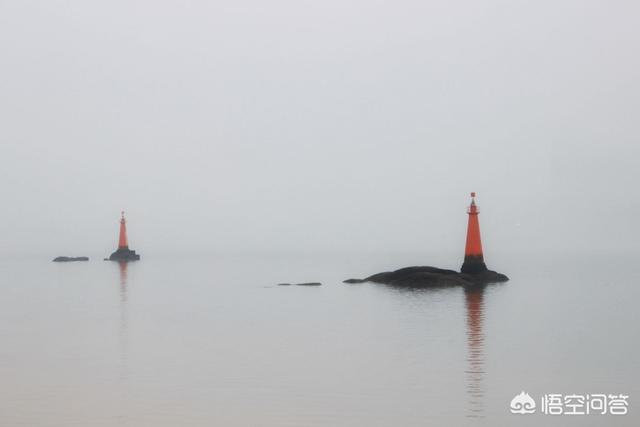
(318, 125)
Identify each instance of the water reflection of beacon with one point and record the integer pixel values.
(473, 258)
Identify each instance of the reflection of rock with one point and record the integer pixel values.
(431, 276)
(70, 258)
(124, 254)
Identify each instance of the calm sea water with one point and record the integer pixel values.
(210, 340)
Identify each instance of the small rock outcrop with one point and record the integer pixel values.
(301, 284)
(432, 276)
(70, 258)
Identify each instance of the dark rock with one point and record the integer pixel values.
(124, 254)
(301, 284)
(70, 258)
(423, 279)
(486, 276)
(429, 273)
(432, 277)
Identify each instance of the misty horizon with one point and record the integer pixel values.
(320, 127)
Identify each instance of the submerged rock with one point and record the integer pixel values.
(301, 284)
(431, 276)
(70, 258)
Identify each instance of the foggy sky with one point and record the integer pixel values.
(318, 125)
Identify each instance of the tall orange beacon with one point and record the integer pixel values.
(122, 241)
(473, 257)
